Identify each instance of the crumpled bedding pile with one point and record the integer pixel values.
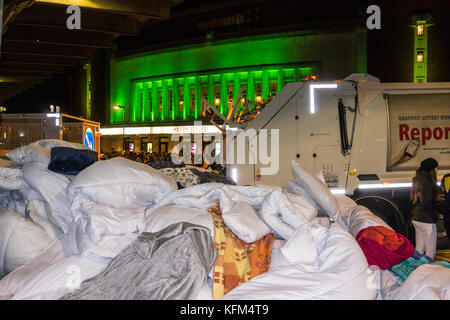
(189, 176)
(118, 230)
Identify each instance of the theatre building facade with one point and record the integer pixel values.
(158, 93)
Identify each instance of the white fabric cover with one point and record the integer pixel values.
(427, 282)
(29, 154)
(342, 273)
(294, 188)
(278, 212)
(47, 275)
(52, 143)
(301, 247)
(317, 190)
(357, 218)
(52, 188)
(104, 230)
(160, 217)
(38, 211)
(121, 183)
(20, 241)
(242, 219)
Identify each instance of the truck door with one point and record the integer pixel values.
(320, 134)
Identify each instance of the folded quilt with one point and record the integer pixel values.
(170, 264)
(237, 261)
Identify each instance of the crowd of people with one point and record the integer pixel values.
(141, 157)
(158, 160)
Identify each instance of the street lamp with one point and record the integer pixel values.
(123, 124)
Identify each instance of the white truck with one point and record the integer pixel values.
(367, 139)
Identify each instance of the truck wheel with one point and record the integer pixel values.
(387, 210)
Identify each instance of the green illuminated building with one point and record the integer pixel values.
(166, 86)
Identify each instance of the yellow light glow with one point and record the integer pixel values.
(420, 29)
(258, 98)
(420, 56)
(217, 101)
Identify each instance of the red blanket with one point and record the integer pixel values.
(383, 247)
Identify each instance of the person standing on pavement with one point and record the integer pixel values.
(424, 193)
(444, 207)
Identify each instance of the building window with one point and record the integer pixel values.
(150, 103)
(244, 94)
(170, 101)
(230, 96)
(141, 103)
(273, 88)
(181, 95)
(420, 56)
(160, 102)
(192, 98)
(217, 96)
(258, 93)
(420, 29)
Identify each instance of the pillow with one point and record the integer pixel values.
(296, 189)
(244, 222)
(52, 143)
(51, 187)
(301, 247)
(121, 183)
(317, 190)
(102, 221)
(71, 161)
(20, 241)
(28, 154)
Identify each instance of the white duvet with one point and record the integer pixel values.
(313, 258)
(340, 264)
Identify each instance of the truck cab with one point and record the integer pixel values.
(364, 138)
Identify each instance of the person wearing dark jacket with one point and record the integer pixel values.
(445, 206)
(424, 215)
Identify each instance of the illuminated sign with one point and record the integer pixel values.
(161, 130)
(89, 139)
(193, 148)
(131, 147)
(150, 147)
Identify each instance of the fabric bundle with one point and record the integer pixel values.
(237, 261)
(405, 268)
(383, 247)
(71, 161)
(171, 264)
(183, 176)
(190, 176)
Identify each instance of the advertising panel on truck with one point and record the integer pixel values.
(419, 127)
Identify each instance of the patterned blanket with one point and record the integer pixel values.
(237, 261)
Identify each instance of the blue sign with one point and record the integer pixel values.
(89, 139)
